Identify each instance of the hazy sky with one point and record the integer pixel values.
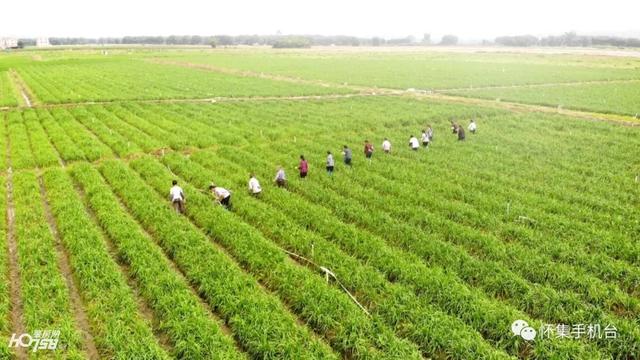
(390, 18)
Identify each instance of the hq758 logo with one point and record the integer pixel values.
(39, 340)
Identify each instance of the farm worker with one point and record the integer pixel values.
(386, 146)
(222, 195)
(280, 179)
(348, 155)
(368, 150)
(303, 167)
(460, 133)
(472, 126)
(425, 138)
(413, 143)
(177, 197)
(254, 185)
(330, 163)
(430, 133)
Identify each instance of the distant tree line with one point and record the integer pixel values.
(277, 41)
(567, 39)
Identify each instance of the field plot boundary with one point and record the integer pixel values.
(17, 323)
(524, 107)
(542, 85)
(436, 94)
(442, 94)
(261, 75)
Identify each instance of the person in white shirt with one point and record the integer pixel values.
(413, 143)
(222, 195)
(330, 163)
(176, 195)
(386, 146)
(280, 179)
(472, 126)
(254, 185)
(425, 139)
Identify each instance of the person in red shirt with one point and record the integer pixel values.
(303, 167)
(368, 149)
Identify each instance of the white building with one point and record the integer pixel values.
(8, 43)
(42, 42)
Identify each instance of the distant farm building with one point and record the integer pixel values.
(8, 43)
(42, 42)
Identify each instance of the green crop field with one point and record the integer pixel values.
(612, 97)
(428, 254)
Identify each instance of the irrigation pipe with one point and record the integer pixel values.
(328, 274)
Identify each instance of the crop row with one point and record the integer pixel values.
(5, 302)
(431, 169)
(617, 98)
(490, 318)
(542, 303)
(193, 333)
(413, 70)
(386, 174)
(109, 79)
(20, 148)
(472, 219)
(204, 114)
(63, 142)
(404, 192)
(475, 209)
(44, 293)
(118, 328)
(325, 308)
(43, 152)
(466, 198)
(7, 92)
(411, 316)
(504, 134)
(259, 321)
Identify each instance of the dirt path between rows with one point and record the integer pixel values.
(540, 85)
(81, 319)
(22, 88)
(524, 108)
(15, 292)
(14, 270)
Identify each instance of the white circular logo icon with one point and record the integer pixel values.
(521, 328)
(528, 333)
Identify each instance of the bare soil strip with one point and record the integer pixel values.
(19, 84)
(540, 85)
(14, 270)
(65, 268)
(15, 292)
